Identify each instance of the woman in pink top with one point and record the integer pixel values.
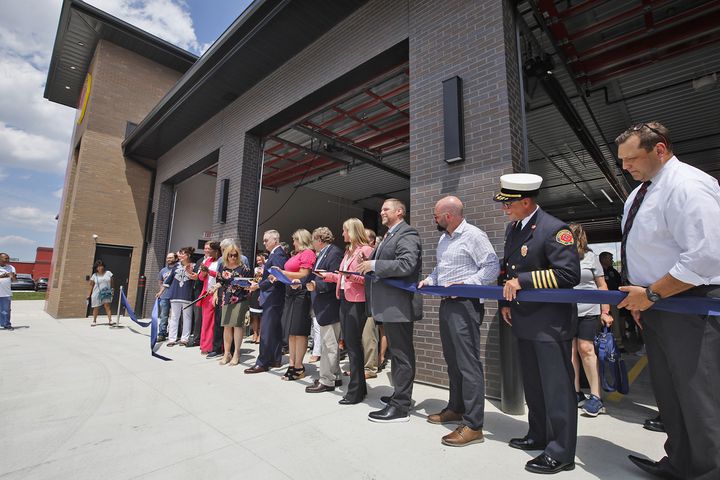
(296, 320)
(351, 292)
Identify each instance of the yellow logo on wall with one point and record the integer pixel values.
(84, 97)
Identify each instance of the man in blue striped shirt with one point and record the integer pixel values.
(464, 255)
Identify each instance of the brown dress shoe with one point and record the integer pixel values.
(256, 369)
(319, 388)
(462, 436)
(444, 417)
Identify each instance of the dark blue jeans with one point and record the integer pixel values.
(5, 311)
(163, 314)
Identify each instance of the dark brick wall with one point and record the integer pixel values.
(475, 41)
(243, 196)
(156, 250)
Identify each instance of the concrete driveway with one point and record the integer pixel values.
(91, 403)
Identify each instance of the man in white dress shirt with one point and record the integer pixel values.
(671, 247)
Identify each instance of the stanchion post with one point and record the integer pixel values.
(512, 394)
(117, 323)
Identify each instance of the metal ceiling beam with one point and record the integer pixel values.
(300, 172)
(644, 8)
(352, 151)
(547, 157)
(365, 105)
(542, 70)
(676, 29)
(580, 8)
(400, 132)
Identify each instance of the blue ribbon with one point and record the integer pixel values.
(690, 305)
(153, 323)
(280, 276)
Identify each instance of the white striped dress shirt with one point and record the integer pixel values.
(465, 256)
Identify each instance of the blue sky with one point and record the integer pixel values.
(35, 133)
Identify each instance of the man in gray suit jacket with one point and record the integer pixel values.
(397, 256)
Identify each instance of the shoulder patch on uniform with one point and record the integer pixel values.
(564, 237)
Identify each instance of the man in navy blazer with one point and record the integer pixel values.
(273, 295)
(326, 306)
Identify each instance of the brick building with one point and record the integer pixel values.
(306, 113)
(113, 74)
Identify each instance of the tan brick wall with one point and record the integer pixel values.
(105, 193)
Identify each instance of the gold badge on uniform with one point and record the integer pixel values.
(523, 250)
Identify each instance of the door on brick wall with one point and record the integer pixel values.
(116, 259)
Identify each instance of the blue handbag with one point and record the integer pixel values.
(611, 362)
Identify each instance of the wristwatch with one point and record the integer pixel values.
(652, 296)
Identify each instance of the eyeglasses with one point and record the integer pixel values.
(233, 255)
(640, 126)
(508, 204)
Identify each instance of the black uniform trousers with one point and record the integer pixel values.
(460, 320)
(402, 356)
(217, 329)
(271, 335)
(684, 359)
(352, 323)
(550, 396)
(197, 324)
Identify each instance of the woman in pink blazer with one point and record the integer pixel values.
(351, 292)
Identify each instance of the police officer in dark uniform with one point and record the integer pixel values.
(540, 252)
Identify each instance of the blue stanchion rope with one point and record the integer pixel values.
(153, 323)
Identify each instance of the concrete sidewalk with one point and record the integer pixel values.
(91, 403)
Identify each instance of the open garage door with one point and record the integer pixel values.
(340, 161)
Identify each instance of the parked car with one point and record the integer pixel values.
(41, 284)
(24, 282)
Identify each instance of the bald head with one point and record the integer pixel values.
(448, 213)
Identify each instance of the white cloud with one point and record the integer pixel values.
(30, 217)
(13, 240)
(57, 193)
(167, 19)
(31, 151)
(34, 132)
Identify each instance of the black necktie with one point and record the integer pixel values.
(628, 225)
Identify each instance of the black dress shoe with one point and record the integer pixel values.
(386, 399)
(319, 388)
(338, 383)
(544, 463)
(661, 469)
(213, 354)
(526, 443)
(347, 401)
(654, 424)
(389, 414)
(256, 369)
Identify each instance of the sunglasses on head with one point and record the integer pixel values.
(640, 126)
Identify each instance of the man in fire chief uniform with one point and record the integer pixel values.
(540, 252)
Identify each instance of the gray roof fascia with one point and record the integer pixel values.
(203, 69)
(81, 7)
